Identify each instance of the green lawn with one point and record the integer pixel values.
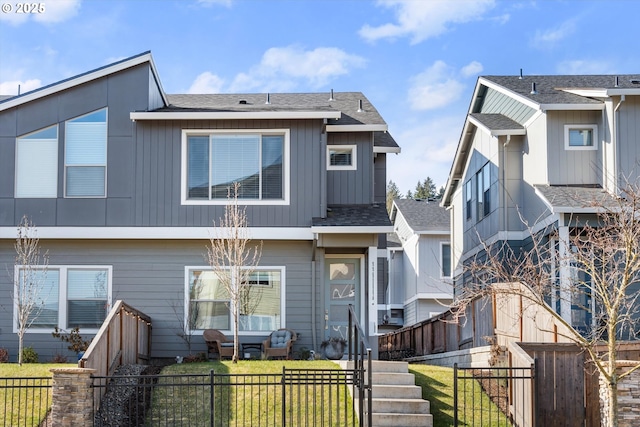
(256, 396)
(25, 406)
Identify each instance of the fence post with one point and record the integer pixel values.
(72, 397)
(455, 395)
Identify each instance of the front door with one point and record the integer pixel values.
(342, 277)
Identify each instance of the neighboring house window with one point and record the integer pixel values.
(37, 164)
(341, 157)
(468, 192)
(483, 180)
(85, 155)
(580, 137)
(71, 296)
(445, 259)
(213, 161)
(261, 307)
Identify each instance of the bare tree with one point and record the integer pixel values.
(234, 259)
(28, 279)
(602, 254)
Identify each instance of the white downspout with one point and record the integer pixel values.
(616, 116)
(505, 212)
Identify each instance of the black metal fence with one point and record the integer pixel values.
(493, 396)
(296, 397)
(25, 401)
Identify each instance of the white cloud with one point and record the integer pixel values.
(208, 3)
(11, 87)
(472, 69)
(207, 83)
(580, 66)
(551, 36)
(427, 151)
(421, 20)
(435, 87)
(283, 68)
(53, 12)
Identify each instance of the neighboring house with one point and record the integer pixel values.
(540, 149)
(124, 181)
(420, 267)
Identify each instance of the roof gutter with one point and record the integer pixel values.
(223, 115)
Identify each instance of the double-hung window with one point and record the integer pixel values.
(85, 155)
(64, 296)
(37, 164)
(214, 160)
(260, 301)
(580, 137)
(483, 181)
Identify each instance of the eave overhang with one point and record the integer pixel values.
(228, 115)
(357, 128)
(336, 229)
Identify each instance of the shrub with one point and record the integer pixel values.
(59, 358)
(29, 355)
(76, 343)
(200, 357)
(4, 355)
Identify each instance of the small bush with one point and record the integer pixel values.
(29, 355)
(59, 358)
(4, 355)
(192, 358)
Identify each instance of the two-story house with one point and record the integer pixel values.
(124, 183)
(540, 150)
(420, 267)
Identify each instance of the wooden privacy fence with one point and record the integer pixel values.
(124, 338)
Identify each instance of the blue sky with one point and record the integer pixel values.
(416, 60)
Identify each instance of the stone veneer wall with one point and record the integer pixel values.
(72, 397)
(628, 397)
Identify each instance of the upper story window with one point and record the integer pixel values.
(483, 180)
(260, 305)
(580, 137)
(445, 260)
(37, 164)
(85, 155)
(468, 193)
(341, 157)
(69, 296)
(214, 160)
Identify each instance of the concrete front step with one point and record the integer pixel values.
(400, 406)
(396, 391)
(384, 378)
(407, 420)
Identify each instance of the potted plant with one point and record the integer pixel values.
(333, 347)
(76, 343)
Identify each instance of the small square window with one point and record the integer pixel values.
(341, 157)
(580, 137)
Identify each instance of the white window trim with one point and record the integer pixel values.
(15, 188)
(442, 261)
(283, 299)
(354, 158)
(184, 200)
(62, 295)
(106, 156)
(594, 137)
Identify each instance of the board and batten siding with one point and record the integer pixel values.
(351, 187)
(150, 276)
(628, 138)
(573, 167)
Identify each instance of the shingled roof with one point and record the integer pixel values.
(354, 216)
(422, 215)
(569, 198)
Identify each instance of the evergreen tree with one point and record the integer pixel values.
(393, 192)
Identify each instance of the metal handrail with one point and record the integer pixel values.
(359, 351)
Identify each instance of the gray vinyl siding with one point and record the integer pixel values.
(499, 103)
(352, 186)
(155, 96)
(573, 167)
(150, 276)
(380, 178)
(628, 122)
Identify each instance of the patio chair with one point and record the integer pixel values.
(279, 344)
(217, 343)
